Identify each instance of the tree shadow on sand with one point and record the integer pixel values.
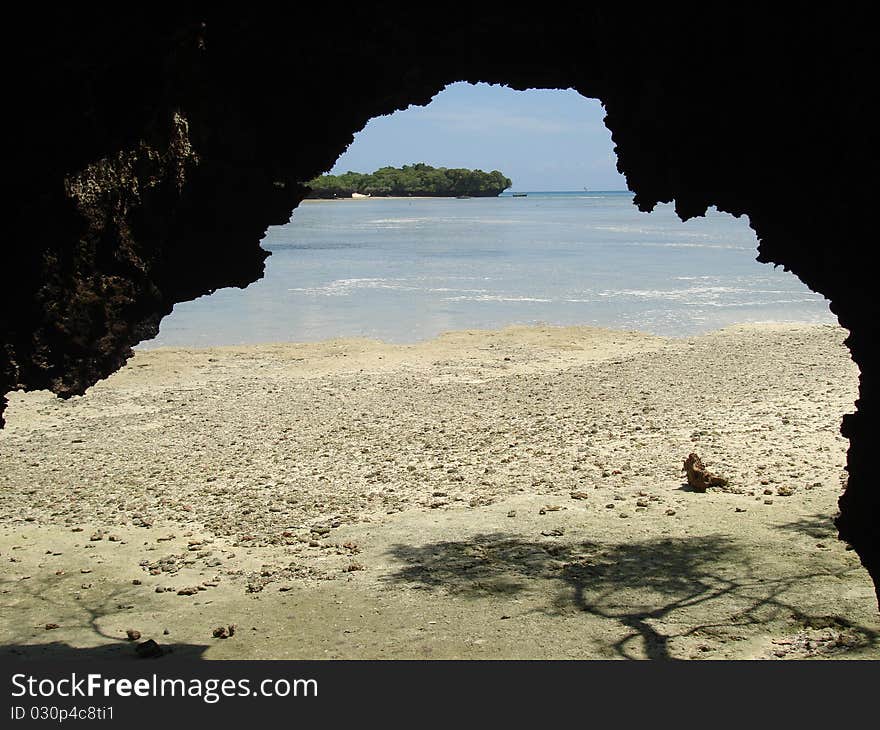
(658, 590)
(818, 527)
(116, 651)
(85, 613)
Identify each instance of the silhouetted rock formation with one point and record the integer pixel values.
(150, 149)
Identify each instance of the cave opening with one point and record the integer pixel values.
(530, 462)
(574, 250)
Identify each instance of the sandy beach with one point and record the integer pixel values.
(487, 494)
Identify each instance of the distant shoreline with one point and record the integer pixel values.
(378, 197)
(470, 197)
(510, 330)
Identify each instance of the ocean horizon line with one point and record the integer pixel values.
(569, 192)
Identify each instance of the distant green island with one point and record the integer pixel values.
(411, 180)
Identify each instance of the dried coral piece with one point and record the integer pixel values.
(698, 477)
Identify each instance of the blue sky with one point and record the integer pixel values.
(541, 139)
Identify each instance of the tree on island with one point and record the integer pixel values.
(411, 180)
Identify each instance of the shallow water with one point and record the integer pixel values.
(406, 270)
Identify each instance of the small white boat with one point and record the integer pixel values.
(360, 195)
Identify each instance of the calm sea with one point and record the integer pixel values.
(406, 270)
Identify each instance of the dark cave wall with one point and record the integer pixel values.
(152, 147)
